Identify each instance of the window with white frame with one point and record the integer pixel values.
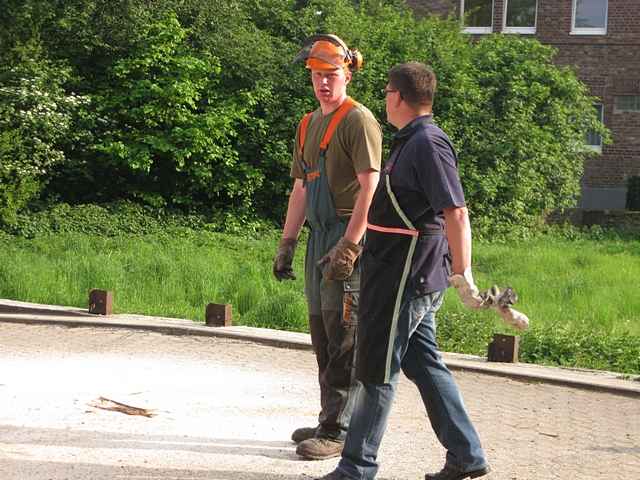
(627, 103)
(477, 15)
(520, 16)
(589, 17)
(594, 139)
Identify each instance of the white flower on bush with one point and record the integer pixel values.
(35, 117)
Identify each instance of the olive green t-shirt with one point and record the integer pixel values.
(356, 146)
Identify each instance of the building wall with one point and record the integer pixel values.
(609, 64)
(435, 7)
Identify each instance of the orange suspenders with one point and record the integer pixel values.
(303, 132)
(340, 113)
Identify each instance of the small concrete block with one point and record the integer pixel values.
(101, 302)
(504, 348)
(218, 315)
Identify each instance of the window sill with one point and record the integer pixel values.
(520, 30)
(477, 30)
(588, 31)
(594, 149)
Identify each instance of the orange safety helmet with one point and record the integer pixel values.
(329, 52)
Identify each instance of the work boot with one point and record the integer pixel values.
(320, 448)
(335, 475)
(450, 473)
(304, 433)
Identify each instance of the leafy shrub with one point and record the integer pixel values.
(521, 148)
(464, 332)
(583, 348)
(168, 125)
(127, 218)
(557, 345)
(194, 104)
(36, 117)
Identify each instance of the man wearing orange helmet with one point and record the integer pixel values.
(336, 163)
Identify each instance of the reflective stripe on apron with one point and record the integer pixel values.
(326, 226)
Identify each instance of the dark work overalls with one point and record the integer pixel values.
(332, 304)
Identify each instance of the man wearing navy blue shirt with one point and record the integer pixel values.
(418, 235)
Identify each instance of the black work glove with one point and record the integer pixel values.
(283, 260)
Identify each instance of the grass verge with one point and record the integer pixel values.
(581, 294)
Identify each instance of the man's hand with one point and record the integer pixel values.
(282, 263)
(338, 263)
(466, 288)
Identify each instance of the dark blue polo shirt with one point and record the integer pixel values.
(425, 180)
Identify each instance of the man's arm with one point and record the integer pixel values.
(283, 261)
(459, 238)
(458, 230)
(358, 223)
(295, 211)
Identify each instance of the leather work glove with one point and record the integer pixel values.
(466, 288)
(338, 263)
(282, 268)
(501, 301)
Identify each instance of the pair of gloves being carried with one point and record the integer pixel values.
(494, 298)
(336, 265)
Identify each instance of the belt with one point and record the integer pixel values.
(406, 231)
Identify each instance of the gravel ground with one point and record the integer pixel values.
(224, 409)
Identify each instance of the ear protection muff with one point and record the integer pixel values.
(353, 58)
(356, 63)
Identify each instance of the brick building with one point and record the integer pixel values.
(599, 37)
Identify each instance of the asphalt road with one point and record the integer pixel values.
(224, 409)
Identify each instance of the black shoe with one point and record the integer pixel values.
(304, 433)
(449, 473)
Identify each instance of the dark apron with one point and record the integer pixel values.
(385, 270)
(386, 264)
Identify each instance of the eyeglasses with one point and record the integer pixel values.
(389, 90)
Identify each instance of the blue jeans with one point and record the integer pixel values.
(416, 353)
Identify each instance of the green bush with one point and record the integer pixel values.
(126, 219)
(558, 345)
(168, 126)
(36, 119)
(194, 104)
(569, 346)
(521, 150)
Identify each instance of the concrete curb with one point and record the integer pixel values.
(30, 313)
